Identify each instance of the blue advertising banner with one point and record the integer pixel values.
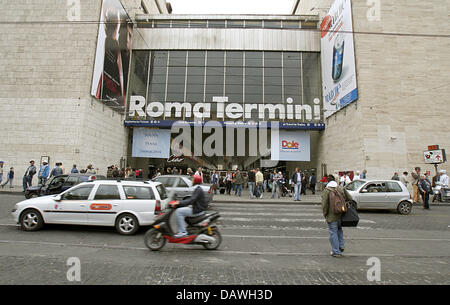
(151, 143)
(281, 125)
(290, 146)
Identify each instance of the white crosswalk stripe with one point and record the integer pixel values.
(276, 217)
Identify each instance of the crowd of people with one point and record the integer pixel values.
(233, 182)
(44, 173)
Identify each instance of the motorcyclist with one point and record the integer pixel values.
(444, 180)
(190, 207)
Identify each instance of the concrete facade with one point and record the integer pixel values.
(402, 84)
(47, 52)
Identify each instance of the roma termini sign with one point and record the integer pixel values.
(140, 109)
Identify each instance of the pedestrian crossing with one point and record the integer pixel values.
(277, 217)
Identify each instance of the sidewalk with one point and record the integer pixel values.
(308, 199)
(11, 191)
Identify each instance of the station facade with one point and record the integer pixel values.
(241, 72)
(253, 76)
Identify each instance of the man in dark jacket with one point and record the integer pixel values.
(28, 177)
(297, 183)
(424, 189)
(192, 206)
(312, 183)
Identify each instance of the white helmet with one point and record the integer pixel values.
(332, 184)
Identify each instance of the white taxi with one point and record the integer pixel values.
(123, 204)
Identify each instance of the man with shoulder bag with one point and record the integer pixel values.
(334, 206)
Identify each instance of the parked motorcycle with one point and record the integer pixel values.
(202, 230)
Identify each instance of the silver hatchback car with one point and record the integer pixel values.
(380, 194)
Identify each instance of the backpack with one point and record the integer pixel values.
(337, 202)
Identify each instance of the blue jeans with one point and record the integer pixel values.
(251, 189)
(238, 190)
(10, 182)
(26, 182)
(275, 189)
(336, 236)
(181, 214)
(297, 190)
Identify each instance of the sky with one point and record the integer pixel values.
(276, 7)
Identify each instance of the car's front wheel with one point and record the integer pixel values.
(31, 220)
(404, 208)
(127, 224)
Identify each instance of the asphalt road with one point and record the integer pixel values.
(263, 244)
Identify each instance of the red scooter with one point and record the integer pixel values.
(202, 230)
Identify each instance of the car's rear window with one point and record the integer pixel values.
(162, 191)
(138, 193)
(394, 187)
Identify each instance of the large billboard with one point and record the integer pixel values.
(338, 58)
(151, 143)
(115, 34)
(290, 146)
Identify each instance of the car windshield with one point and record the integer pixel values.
(47, 183)
(353, 186)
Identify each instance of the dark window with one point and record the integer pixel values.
(162, 23)
(198, 24)
(105, 192)
(312, 85)
(216, 23)
(253, 24)
(234, 76)
(177, 73)
(181, 183)
(71, 181)
(195, 76)
(139, 75)
(394, 187)
(272, 24)
(292, 76)
(273, 77)
(162, 191)
(214, 78)
(79, 193)
(157, 88)
(138, 192)
(166, 181)
(377, 187)
(235, 23)
(254, 78)
(180, 23)
(58, 182)
(291, 24)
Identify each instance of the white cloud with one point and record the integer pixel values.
(278, 7)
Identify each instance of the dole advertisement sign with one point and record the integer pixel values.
(338, 58)
(287, 145)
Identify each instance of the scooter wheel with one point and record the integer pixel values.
(218, 240)
(154, 240)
